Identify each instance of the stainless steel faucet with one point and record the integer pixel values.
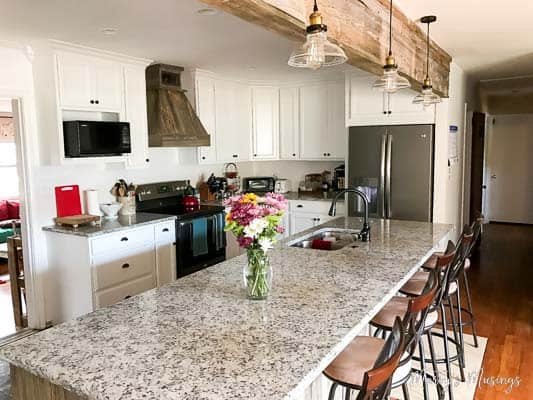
(365, 232)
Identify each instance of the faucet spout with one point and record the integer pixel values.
(365, 232)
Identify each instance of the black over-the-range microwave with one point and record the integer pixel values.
(96, 138)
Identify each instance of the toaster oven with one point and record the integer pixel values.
(258, 184)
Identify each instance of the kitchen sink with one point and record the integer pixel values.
(328, 239)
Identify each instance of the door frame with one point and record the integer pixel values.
(23, 121)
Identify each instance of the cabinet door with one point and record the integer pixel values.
(107, 83)
(165, 252)
(403, 111)
(232, 246)
(301, 221)
(364, 105)
(337, 131)
(205, 108)
(233, 110)
(74, 79)
(313, 121)
(265, 123)
(135, 108)
(289, 123)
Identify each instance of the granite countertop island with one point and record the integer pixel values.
(199, 338)
(112, 225)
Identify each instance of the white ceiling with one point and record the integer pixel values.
(487, 38)
(168, 31)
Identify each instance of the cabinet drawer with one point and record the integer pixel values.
(165, 232)
(115, 294)
(111, 269)
(315, 207)
(123, 240)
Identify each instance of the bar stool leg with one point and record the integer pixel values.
(423, 370)
(347, 393)
(405, 391)
(440, 391)
(461, 335)
(332, 391)
(446, 350)
(456, 337)
(470, 310)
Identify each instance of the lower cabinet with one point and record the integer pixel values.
(88, 273)
(305, 214)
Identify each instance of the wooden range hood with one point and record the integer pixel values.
(172, 122)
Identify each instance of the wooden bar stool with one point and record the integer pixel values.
(15, 263)
(367, 365)
(414, 312)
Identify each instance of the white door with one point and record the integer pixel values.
(205, 108)
(509, 167)
(265, 123)
(107, 82)
(135, 107)
(337, 131)
(313, 121)
(289, 123)
(74, 76)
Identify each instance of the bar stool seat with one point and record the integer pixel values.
(399, 306)
(356, 359)
(416, 284)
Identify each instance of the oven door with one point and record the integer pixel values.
(200, 243)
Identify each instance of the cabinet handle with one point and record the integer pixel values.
(329, 154)
(390, 112)
(203, 157)
(125, 265)
(384, 112)
(147, 160)
(255, 155)
(294, 154)
(124, 239)
(97, 102)
(325, 154)
(235, 156)
(165, 229)
(92, 102)
(299, 206)
(127, 297)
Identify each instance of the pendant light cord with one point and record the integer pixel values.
(390, 29)
(315, 7)
(427, 55)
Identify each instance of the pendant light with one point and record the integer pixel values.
(427, 97)
(391, 81)
(317, 51)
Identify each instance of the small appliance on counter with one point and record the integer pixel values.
(282, 186)
(218, 187)
(338, 178)
(258, 184)
(231, 173)
(200, 236)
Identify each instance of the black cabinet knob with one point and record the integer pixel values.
(124, 239)
(97, 102)
(299, 206)
(390, 112)
(127, 297)
(294, 154)
(92, 102)
(203, 157)
(329, 154)
(165, 229)
(235, 156)
(125, 266)
(325, 154)
(255, 155)
(384, 112)
(147, 160)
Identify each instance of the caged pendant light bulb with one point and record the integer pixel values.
(391, 81)
(317, 51)
(427, 97)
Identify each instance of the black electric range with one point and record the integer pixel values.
(200, 236)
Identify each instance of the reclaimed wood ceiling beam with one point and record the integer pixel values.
(360, 27)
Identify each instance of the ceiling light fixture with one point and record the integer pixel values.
(391, 81)
(317, 51)
(204, 12)
(427, 97)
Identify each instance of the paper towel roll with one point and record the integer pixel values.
(92, 206)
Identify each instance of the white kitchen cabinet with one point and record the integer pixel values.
(337, 131)
(233, 121)
(366, 106)
(89, 83)
(206, 111)
(165, 252)
(135, 114)
(265, 123)
(109, 267)
(305, 214)
(289, 123)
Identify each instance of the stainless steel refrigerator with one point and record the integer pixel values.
(393, 166)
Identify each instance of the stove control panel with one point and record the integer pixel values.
(160, 190)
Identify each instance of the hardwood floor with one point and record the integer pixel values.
(501, 280)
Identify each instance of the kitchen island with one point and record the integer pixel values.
(200, 338)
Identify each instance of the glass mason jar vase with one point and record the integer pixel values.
(257, 274)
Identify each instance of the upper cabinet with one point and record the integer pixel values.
(205, 109)
(366, 106)
(322, 129)
(289, 123)
(89, 83)
(265, 123)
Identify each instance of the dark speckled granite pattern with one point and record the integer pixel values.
(112, 225)
(199, 338)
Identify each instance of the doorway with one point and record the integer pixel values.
(509, 169)
(13, 310)
(477, 187)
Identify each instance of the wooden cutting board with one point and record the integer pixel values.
(76, 220)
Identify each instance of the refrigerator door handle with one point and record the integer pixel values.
(382, 173)
(387, 176)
